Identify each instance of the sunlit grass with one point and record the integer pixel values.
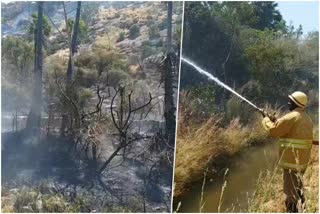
(198, 146)
(269, 195)
(201, 143)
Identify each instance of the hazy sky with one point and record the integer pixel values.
(305, 13)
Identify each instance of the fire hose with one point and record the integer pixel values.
(272, 117)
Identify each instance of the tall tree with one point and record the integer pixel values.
(268, 16)
(34, 118)
(169, 108)
(73, 114)
(74, 39)
(73, 42)
(169, 29)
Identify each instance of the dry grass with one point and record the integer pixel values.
(269, 190)
(199, 144)
(31, 200)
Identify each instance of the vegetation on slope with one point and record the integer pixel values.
(99, 135)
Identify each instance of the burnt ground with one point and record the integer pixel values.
(51, 163)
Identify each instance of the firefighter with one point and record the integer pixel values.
(294, 131)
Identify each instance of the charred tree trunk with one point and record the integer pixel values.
(34, 117)
(169, 108)
(73, 46)
(169, 29)
(67, 119)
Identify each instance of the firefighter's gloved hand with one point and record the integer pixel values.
(272, 117)
(263, 112)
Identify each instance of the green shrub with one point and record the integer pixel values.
(86, 77)
(32, 200)
(115, 77)
(121, 36)
(133, 205)
(236, 108)
(163, 24)
(153, 31)
(204, 97)
(135, 21)
(45, 25)
(25, 201)
(54, 204)
(84, 96)
(83, 35)
(146, 42)
(125, 23)
(134, 31)
(150, 20)
(147, 51)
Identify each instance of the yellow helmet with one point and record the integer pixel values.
(299, 98)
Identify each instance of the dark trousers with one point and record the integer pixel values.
(293, 189)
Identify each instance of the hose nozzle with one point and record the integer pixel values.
(264, 113)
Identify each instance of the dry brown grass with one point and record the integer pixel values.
(201, 141)
(269, 190)
(198, 144)
(269, 195)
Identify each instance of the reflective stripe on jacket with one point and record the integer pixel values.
(295, 133)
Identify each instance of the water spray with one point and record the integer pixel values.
(211, 77)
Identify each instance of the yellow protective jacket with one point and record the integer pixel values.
(295, 133)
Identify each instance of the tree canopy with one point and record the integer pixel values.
(250, 47)
(45, 23)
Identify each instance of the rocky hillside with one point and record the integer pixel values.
(137, 30)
